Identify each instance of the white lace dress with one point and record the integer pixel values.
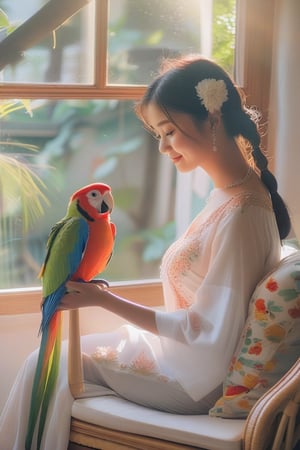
(208, 276)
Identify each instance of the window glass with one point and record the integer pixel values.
(65, 56)
(139, 34)
(143, 32)
(82, 141)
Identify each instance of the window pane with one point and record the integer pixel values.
(66, 56)
(142, 32)
(81, 142)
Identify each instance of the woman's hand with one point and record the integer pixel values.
(80, 294)
(97, 294)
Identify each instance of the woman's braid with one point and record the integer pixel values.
(243, 123)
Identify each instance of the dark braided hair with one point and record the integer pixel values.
(174, 90)
(242, 123)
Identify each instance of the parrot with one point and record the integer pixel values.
(79, 247)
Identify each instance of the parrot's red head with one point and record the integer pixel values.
(93, 201)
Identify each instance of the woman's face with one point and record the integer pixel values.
(187, 144)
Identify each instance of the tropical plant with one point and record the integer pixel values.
(19, 184)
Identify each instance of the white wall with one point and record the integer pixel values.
(19, 337)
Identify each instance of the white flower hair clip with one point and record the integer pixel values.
(212, 93)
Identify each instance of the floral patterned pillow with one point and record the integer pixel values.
(270, 342)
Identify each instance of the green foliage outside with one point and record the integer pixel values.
(68, 119)
(224, 30)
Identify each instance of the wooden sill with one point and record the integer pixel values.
(27, 301)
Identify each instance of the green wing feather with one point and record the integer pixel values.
(65, 247)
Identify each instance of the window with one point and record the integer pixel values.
(82, 83)
(110, 48)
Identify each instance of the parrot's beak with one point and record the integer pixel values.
(107, 203)
(104, 207)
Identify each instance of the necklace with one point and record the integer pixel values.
(240, 181)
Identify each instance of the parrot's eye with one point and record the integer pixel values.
(94, 194)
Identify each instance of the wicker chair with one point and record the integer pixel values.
(272, 424)
(113, 423)
(274, 421)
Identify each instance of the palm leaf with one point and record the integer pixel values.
(19, 184)
(9, 106)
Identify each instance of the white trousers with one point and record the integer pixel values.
(102, 379)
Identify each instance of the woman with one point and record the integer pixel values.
(175, 360)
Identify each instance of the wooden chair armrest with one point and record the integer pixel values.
(147, 293)
(272, 421)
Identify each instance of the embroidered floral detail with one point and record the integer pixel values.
(105, 354)
(241, 200)
(272, 285)
(275, 332)
(250, 380)
(143, 365)
(212, 93)
(295, 312)
(235, 390)
(269, 344)
(260, 310)
(288, 294)
(255, 349)
(180, 260)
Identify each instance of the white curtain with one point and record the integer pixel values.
(284, 123)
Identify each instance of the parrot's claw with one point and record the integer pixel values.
(100, 281)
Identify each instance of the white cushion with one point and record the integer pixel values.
(199, 430)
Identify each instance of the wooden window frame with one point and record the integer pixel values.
(28, 301)
(41, 24)
(257, 63)
(257, 60)
(259, 16)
